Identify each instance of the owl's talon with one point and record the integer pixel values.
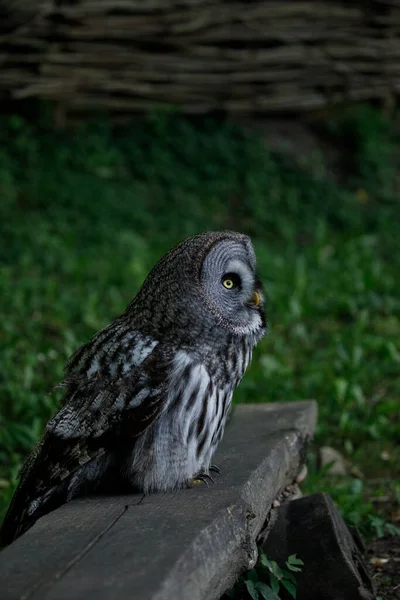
(197, 481)
(202, 478)
(194, 482)
(215, 469)
(207, 478)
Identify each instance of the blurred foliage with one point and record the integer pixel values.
(85, 214)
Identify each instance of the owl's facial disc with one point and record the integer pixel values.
(232, 289)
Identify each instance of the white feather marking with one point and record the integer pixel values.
(119, 402)
(181, 361)
(94, 367)
(138, 399)
(139, 353)
(253, 326)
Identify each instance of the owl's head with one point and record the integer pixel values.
(207, 281)
(229, 283)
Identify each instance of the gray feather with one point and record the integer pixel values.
(146, 400)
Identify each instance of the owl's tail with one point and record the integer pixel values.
(23, 512)
(18, 517)
(13, 521)
(27, 505)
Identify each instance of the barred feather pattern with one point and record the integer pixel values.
(182, 442)
(146, 400)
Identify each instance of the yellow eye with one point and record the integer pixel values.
(228, 283)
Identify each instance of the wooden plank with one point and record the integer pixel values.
(190, 544)
(56, 541)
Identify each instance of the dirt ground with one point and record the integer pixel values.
(383, 557)
(383, 554)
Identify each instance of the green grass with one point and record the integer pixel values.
(84, 215)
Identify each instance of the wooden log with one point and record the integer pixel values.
(188, 544)
(201, 54)
(313, 528)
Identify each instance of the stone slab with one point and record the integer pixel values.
(189, 544)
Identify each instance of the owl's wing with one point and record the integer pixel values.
(97, 408)
(97, 404)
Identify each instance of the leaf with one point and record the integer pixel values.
(289, 586)
(341, 385)
(252, 590)
(294, 569)
(265, 561)
(274, 583)
(272, 566)
(378, 524)
(292, 561)
(266, 592)
(357, 487)
(288, 575)
(392, 529)
(252, 575)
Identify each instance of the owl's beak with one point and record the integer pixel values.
(255, 299)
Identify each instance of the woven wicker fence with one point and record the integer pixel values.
(240, 56)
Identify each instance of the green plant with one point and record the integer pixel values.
(381, 527)
(353, 498)
(253, 584)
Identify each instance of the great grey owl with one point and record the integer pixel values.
(146, 398)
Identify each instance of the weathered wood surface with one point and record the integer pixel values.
(190, 544)
(313, 528)
(199, 55)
